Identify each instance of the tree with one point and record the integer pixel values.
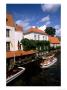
(50, 31)
(42, 45)
(35, 45)
(45, 45)
(32, 44)
(28, 44)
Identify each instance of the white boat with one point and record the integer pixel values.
(44, 65)
(9, 79)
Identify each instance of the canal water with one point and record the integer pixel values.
(35, 76)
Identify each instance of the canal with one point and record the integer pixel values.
(35, 76)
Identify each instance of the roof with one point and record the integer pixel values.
(18, 28)
(9, 20)
(11, 54)
(53, 40)
(35, 30)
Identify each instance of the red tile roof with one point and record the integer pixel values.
(53, 40)
(35, 30)
(18, 28)
(9, 20)
(11, 54)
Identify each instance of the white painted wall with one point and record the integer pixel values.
(15, 36)
(18, 37)
(54, 45)
(31, 36)
(11, 38)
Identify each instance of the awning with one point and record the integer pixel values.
(11, 54)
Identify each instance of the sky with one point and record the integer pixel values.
(39, 15)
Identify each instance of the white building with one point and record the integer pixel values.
(18, 37)
(54, 41)
(14, 49)
(14, 34)
(35, 33)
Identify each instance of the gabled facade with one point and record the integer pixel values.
(54, 41)
(18, 37)
(35, 34)
(14, 34)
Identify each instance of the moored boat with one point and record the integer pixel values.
(48, 63)
(12, 77)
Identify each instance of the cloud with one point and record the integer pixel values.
(24, 23)
(58, 30)
(50, 7)
(43, 27)
(45, 19)
(18, 22)
(57, 27)
(47, 23)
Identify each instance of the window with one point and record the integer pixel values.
(7, 33)
(6, 19)
(7, 46)
(34, 37)
(38, 37)
(19, 46)
(43, 37)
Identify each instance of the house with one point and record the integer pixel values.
(14, 49)
(35, 33)
(10, 31)
(14, 34)
(18, 37)
(54, 41)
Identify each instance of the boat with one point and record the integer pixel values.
(12, 77)
(48, 57)
(49, 63)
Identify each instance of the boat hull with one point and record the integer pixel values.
(48, 65)
(9, 79)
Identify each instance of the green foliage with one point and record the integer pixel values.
(25, 43)
(28, 44)
(55, 48)
(35, 44)
(58, 47)
(52, 48)
(50, 31)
